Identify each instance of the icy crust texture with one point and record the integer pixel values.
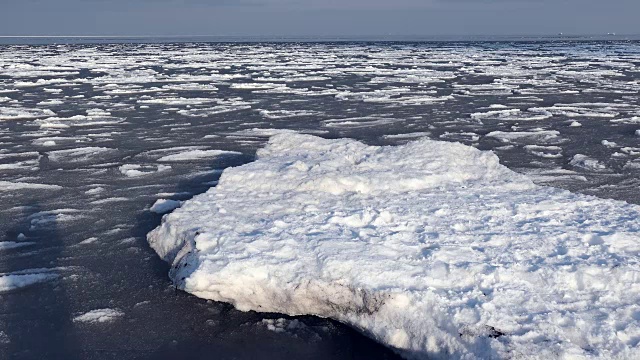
(432, 248)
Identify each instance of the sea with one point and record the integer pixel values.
(96, 130)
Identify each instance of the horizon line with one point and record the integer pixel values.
(315, 35)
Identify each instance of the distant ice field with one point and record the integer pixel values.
(98, 141)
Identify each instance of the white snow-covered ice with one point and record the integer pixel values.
(585, 162)
(191, 155)
(99, 316)
(432, 248)
(136, 170)
(6, 245)
(81, 154)
(162, 206)
(24, 278)
(16, 186)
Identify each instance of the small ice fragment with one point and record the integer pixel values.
(587, 163)
(99, 316)
(197, 155)
(77, 155)
(134, 170)
(5, 245)
(4, 339)
(94, 191)
(13, 186)
(88, 241)
(21, 279)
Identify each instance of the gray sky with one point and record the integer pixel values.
(326, 17)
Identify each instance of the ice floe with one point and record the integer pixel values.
(510, 115)
(88, 241)
(282, 114)
(55, 217)
(136, 170)
(14, 113)
(549, 152)
(432, 248)
(192, 155)
(6, 245)
(16, 186)
(360, 122)
(81, 154)
(20, 279)
(541, 136)
(587, 163)
(99, 316)
(413, 135)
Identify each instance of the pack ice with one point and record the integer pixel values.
(432, 248)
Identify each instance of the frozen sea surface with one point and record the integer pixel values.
(93, 135)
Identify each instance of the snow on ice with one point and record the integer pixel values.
(163, 206)
(82, 154)
(15, 186)
(12, 113)
(191, 155)
(432, 248)
(585, 162)
(136, 170)
(6, 245)
(23, 278)
(99, 316)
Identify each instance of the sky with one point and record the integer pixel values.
(318, 18)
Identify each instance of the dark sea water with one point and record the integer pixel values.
(94, 130)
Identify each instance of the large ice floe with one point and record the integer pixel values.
(432, 248)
